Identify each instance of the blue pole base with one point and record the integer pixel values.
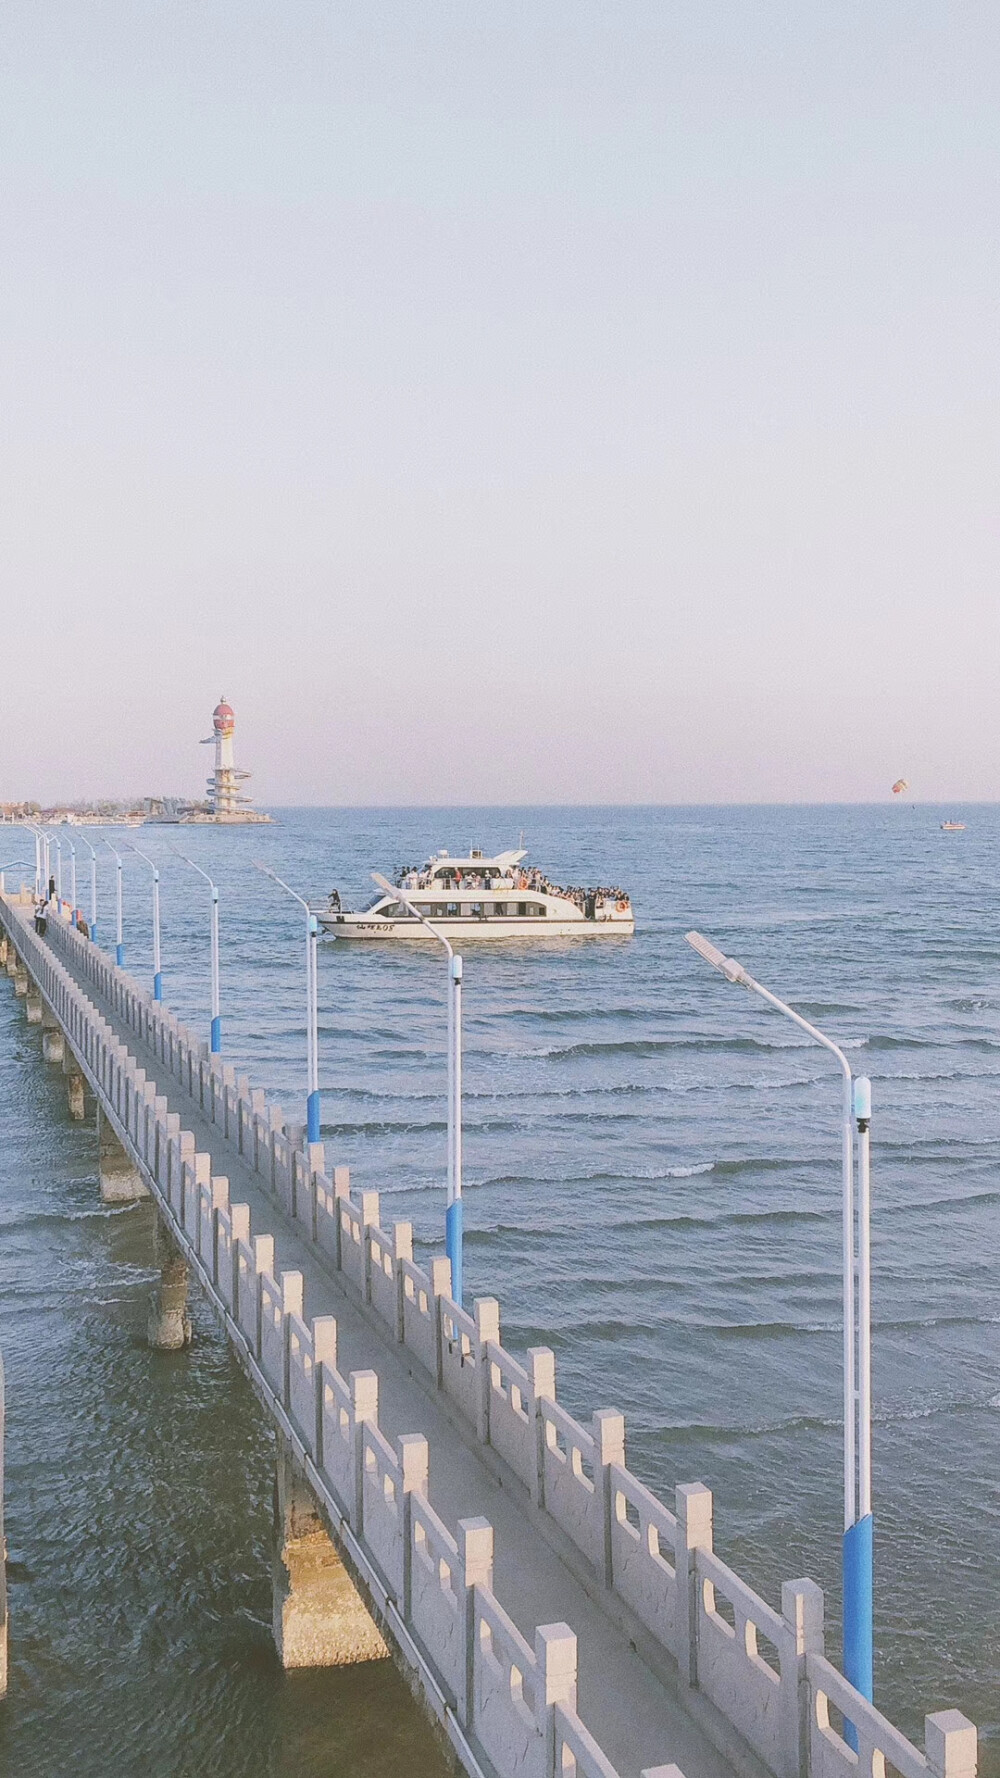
(453, 1247)
(312, 1118)
(859, 1633)
(158, 986)
(120, 956)
(216, 1044)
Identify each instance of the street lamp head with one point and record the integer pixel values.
(727, 966)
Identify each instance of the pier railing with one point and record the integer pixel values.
(654, 1570)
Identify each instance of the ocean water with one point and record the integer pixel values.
(651, 1188)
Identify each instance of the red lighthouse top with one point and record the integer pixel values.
(223, 718)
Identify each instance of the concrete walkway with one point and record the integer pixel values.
(638, 1720)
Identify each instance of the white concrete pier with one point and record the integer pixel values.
(556, 1617)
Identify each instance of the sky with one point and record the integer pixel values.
(534, 401)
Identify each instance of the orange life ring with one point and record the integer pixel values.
(621, 907)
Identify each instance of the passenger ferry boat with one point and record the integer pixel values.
(482, 898)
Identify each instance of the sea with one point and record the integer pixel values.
(652, 1188)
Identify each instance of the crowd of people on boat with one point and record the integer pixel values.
(531, 880)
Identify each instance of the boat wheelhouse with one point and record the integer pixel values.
(479, 897)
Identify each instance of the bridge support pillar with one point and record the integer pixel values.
(169, 1326)
(75, 1098)
(320, 1619)
(20, 979)
(53, 1042)
(120, 1180)
(33, 1005)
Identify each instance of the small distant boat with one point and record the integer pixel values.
(953, 827)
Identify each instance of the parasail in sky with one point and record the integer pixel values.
(900, 785)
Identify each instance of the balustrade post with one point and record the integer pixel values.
(315, 1163)
(475, 1556)
(239, 1218)
(364, 1412)
(694, 1532)
(402, 1248)
(324, 1330)
(263, 1261)
(951, 1745)
(542, 1371)
(802, 1610)
(555, 1681)
(220, 1201)
(292, 1303)
(440, 1270)
(369, 1219)
(608, 1429)
(486, 1312)
(414, 1468)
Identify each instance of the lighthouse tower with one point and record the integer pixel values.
(226, 799)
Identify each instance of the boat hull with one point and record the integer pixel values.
(355, 927)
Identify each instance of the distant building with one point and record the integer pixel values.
(226, 801)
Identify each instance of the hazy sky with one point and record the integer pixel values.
(536, 401)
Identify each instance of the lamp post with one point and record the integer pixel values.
(157, 974)
(119, 946)
(215, 1044)
(39, 843)
(313, 1120)
(856, 1257)
(93, 889)
(453, 1214)
(72, 878)
(58, 846)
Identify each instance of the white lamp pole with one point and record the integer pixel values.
(215, 1043)
(313, 1118)
(453, 1215)
(72, 878)
(856, 1255)
(93, 888)
(58, 846)
(157, 974)
(119, 944)
(39, 842)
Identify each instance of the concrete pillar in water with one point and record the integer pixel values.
(75, 1093)
(53, 1042)
(169, 1324)
(320, 1619)
(33, 1005)
(120, 1180)
(20, 979)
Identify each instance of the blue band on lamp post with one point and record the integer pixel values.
(859, 1640)
(216, 1043)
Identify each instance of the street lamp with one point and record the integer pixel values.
(93, 888)
(856, 1253)
(313, 1123)
(119, 946)
(72, 878)
(215, 1044)
(39, 843)
(57, 842)
(157, 975)
(453, 1214)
